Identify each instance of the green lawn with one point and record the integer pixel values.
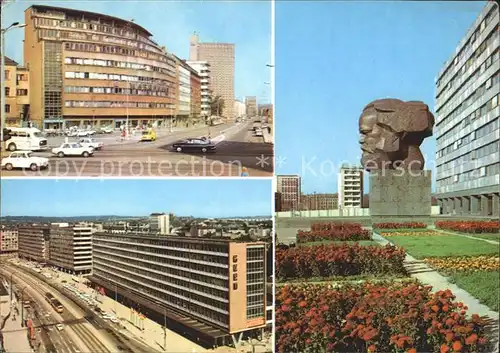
(451, 245)
(490, 236)
(376, 230)
(483, 285)
(325, 242)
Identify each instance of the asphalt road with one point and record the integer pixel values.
(236, 148)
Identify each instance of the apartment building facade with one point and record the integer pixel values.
(251, 106)
(17, 100)
(71, 248)
(239, 108)
(184, 93)
(221, 58)
(289, 188)
(8, 240)
(350, 187)
(319, 201)
(468, 122)
(203, 70)
(213, 287)
(34, 242)
(159, 223)
(94, 69)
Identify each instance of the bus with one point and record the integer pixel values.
(56, 304)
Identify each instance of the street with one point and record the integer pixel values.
(235, 143)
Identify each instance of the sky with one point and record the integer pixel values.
(211, 198)
(247, 24)
(332, 58)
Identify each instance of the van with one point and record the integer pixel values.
(26, 138)
(148, 135)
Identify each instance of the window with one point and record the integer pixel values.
(7, 74)
(7, 108)
(482, 171)
(494, 102)
(22, 92)
(7, 91)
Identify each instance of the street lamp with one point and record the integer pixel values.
(2, 71)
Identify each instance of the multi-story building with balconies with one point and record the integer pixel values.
(207, 288)
(319, 201)
(94, 69)
(8, 240)
(203, 70)
(467, 122)
(71, 248)
(33, 242)
(350, 187)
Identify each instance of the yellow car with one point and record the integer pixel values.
(148, 135)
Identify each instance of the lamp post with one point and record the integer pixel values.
(2, 70)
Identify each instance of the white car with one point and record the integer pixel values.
(24, 159)
(89, 142)
(60, 327)
(73, 149)
(82, 133)
(107, 130)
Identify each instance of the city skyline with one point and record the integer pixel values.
(253, 47)
(347, 78)
(128, 197)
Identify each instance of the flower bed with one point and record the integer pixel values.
(374, 318)
(470, 226)
(406, 225)
(465, 263)
(412, 234)
(334, 232)
(339, 260)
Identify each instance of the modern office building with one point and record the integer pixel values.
(71, 248)
(33, 242)
(159, 223)
(17, 102)
(184, 93)
(94, 69)
(289, 188)
(251, 106)
(350, 187)
(319, 201)
(467, 126)
(8, 240)
(208, 288)
(220, 56)
(203, 70)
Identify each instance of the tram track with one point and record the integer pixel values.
(86, 336)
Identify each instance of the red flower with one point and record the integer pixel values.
(449, 337)
(412, 350)
(457, 346)
(435, 308)
(471, 339)
(444, 348)
(302, 304)
(371, 348)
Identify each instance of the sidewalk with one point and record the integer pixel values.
(15, 337)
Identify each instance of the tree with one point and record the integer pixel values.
(216, 105)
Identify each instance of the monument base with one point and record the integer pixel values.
(400, 196)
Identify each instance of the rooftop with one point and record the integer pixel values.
(10, 62)
(90, 16)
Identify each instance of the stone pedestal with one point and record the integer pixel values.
(400, 195)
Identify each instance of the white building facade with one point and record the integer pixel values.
(203, 69)
(350, 187)
(467, 126)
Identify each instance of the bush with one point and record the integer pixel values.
(470, 226)
(389, 317)
(334, 232)
(406, 225)
(339, 260)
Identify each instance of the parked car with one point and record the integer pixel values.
(73, 149)
(89, 142)
(148, 135)
(24, 160)
(107, 130)
(60, 327)
(24, 138)
(82, 133)
(194, 145)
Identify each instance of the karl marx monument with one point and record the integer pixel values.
(391, 134)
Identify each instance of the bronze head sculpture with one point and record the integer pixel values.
(392, 132)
